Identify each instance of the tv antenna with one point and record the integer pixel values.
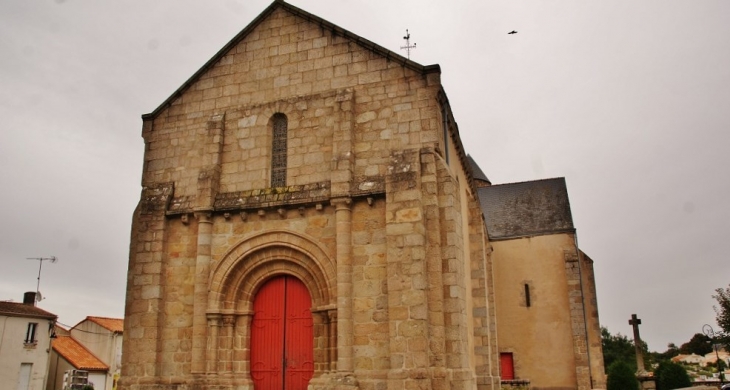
(408, 46)
(52, 259)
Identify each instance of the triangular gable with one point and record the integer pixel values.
(325, 25)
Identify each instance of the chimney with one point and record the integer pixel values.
(29, 298)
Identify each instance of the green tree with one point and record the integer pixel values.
(619, 348)
(621, 377)
(722, 310)
(699, 344)
(672, 351)
(671, 376)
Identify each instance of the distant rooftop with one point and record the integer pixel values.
(115, 325)
(530, 208)
(15, 309)
(75, 353)
(477, 172)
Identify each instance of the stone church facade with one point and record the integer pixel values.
(309, 219)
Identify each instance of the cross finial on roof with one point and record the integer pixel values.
(408, 46)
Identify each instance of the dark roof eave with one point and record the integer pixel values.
(532, 234)
(388, 54)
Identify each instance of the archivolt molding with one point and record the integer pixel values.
(257, 257)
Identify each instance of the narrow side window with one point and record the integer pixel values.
(278, 150)
(30, 333)
(527, 295)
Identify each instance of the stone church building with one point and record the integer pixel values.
(309, 218)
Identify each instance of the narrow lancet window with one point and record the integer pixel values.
(278, 150)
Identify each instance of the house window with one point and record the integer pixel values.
(278, 151)
(30, 333)
(527, 295)
(506, 366)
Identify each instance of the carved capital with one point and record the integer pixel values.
(214, 320)
(203, 216)
(229, 320)
(341, 203)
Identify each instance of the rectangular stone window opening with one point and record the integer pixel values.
(527, 295)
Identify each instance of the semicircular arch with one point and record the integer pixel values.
(257, 257)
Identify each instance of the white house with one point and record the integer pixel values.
(102, 337)
(69, 356)
(25, 342)
(690, 359)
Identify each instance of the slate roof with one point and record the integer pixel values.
(529, 208)
(325, 25)
(15, 309)
(115, 325)
(75, 353)
(476, 172)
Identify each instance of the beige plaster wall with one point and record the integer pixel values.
(539, 336)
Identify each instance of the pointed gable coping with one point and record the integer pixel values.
(336, 30)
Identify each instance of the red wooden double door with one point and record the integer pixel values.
(282, 350)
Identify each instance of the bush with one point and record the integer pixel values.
(671, 376)
(621, 377)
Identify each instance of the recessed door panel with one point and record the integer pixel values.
(282, 336)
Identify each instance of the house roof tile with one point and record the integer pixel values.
(15, 309)
(75, 353)
(115, 325)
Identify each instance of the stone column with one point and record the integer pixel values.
(200, 292)
(242, 351)
(212, 351)
(226, 346)
(343, 226)
(332, 339)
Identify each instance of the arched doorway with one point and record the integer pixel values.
(282, 349)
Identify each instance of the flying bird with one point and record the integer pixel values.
(512, 32)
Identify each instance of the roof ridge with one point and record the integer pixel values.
(110, 318)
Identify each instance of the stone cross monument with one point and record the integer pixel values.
(635, 322)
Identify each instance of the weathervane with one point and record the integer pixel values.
(52, 259)
(408, 46)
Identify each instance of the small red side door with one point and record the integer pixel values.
(507, 366)
(282, 354)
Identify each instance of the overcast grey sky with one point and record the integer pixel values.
(628, 100)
